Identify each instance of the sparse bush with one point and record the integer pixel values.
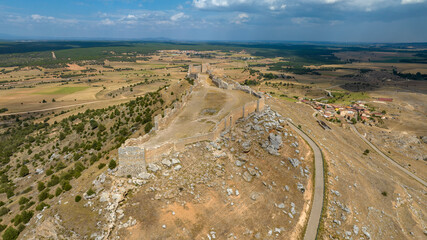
(23, 200)
(384, 193)
(112, 164)
(66, 186)
(4, 211)
(53, 181)
(40, 186)
(21, 227)
(58, 191)
(366, 152)
(101, 165)
(27, 190)
(24, 171)
(44, 195)
(49, 172)
(90, 192)
(93, 124)
(148, 127)
(41, 206)
(10, 234)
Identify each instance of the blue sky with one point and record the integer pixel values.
(287, 20)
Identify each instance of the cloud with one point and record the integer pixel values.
(365, 5)
(107, 22)
(412, 1)
(241, 18)
(273, 5)
(281, 5)
(178, 16)
(38, 18)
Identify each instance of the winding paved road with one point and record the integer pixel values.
(319, 187)
(389, 159)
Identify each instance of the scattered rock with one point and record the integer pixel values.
(295, 162)
(247, 176)
(153, 167)
(167, 162)
(254, 196)
(239, 163)
(365, 231)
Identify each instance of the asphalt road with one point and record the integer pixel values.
(319, 186)
(389, 159)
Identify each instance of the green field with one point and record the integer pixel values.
(347, 98)
(62, 90)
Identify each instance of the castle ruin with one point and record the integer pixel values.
(134, 155)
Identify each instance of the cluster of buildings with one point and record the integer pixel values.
(358, 111)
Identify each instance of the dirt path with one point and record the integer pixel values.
(389, 159)
(61, 107)
(319, 185)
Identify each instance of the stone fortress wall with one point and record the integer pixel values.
(134, 156)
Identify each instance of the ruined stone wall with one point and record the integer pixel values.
(220, 83)
(132, 160)
(133, 157)
(154, 154)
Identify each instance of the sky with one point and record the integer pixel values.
(220, 20)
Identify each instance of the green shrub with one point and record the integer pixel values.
(44, 195)
(40, 186)
(23, 200)
(24, 171)
(78, 198)
(93, 124)
(4, 211)
(21, 228)
(66, 185)
(27, 215)
(53, 181)
(112, 164)
(49, 172)
(148, 127)
(41, 206)
(2, 227)
(90, 192)
(27, 190)
(10, 234)
(58, 191)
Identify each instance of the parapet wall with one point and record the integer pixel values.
(133, 157)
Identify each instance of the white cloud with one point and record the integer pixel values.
(107, 21)
(412, 1)
(178, 16)
(38, 18)
(273, 5)
(365, 5)
(241, 18)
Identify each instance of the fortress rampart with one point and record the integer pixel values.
(134, 156)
